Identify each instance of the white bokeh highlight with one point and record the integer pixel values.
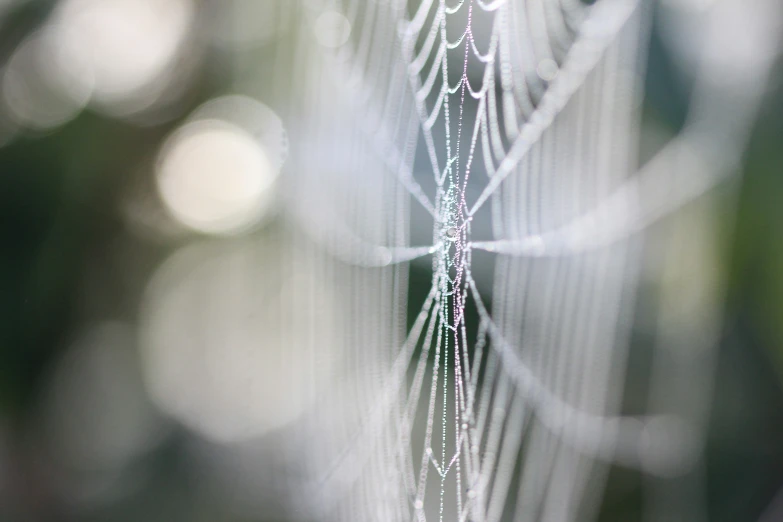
(214, 177)
(332, 29)
(130, 47)
(218, 351)
(38, 91)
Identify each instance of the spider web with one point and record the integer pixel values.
(508, 130)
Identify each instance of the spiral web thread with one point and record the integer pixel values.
(511, 126)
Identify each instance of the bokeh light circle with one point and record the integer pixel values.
(214, 177)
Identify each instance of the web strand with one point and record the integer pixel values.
(518, 118)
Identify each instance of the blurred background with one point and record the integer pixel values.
(143, 151)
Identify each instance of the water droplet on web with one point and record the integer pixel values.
(332, 29)
(451, 234)
(547, 69)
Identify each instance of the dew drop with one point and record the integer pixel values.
(547, 69)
